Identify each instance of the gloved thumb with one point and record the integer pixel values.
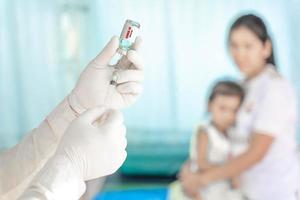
(104, 57)
(92, 115)
(137, 44)
(114, 118)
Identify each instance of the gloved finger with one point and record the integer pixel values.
(125, 63)
(122, 131)
(118, 133)
(92, 114)
(118, 158)
(137, 44)
(130, 88)
(130, 98)
(104, 57)
(114, 118)
(123, 143)
(118, 142)
(135, 59)
(121, 158)
(129, 75)
(131, 61)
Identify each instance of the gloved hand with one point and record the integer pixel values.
(21, 163)
(94, 88)
(93, 146)
(95, 143)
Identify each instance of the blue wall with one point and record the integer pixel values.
(45, 44)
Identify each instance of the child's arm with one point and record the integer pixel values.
(203, 163)
(202, 146)
(235, 182)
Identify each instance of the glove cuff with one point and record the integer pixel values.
(74, 105)
(60, 118)
(59, 179)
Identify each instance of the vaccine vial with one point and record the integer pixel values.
(129, 32)
(128, 35)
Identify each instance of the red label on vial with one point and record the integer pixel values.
(129, 32)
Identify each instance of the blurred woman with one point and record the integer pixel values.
(268, 164)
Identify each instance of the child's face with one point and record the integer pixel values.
(223, 110)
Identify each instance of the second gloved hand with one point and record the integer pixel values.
(95, 146)
(94, 88)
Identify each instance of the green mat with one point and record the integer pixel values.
(155, 152)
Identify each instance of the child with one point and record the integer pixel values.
(210, 145)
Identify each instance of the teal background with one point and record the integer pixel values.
(44, 45)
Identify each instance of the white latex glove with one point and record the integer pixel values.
(95, 143)
(93, 146)
(21, 163)
(94, 88)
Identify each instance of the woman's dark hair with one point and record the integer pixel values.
(258, 27)
(227, 88)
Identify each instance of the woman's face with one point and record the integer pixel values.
(248, 51)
